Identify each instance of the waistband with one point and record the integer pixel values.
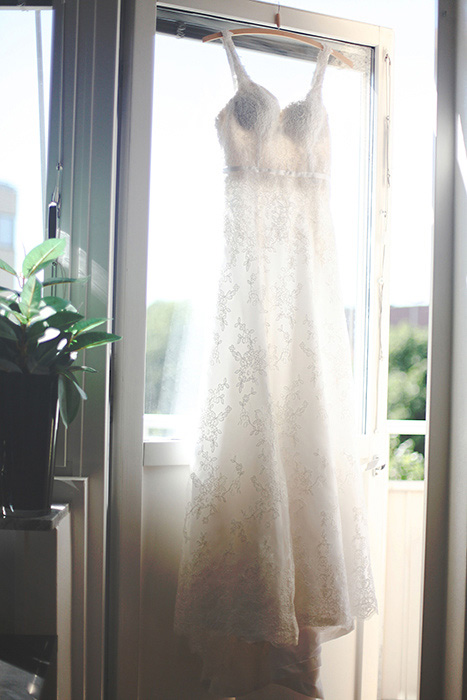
(272, 171)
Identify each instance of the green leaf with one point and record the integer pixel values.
(8, 366)
(30, 297)
(83, 368)
(63, 319)
(79, 389)
(5, 266)
(58, 303)
(46, 352)
(35, 330)
(63, 362)
(8, 306)
(86, 324)
(23, 320)
(40, 256)
(8, 349)
(10, 291)
(43, 314)
(11, 304)
(8, 329)
(64, 280)
(92, 340)
(69, 399)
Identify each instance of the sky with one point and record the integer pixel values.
(19, 120)
(197, 103)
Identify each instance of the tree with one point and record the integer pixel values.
(407, 396)
(166, 322)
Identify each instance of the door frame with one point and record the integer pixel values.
(128, 453)
(443, 672)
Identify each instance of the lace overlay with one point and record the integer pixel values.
(275, 555)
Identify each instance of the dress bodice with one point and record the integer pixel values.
(256, 133)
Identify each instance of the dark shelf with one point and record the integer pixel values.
(41, 523)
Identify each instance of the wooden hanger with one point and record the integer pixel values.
(261, 31)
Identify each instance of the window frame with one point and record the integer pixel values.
(82, 150)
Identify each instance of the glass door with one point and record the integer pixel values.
(191, 84)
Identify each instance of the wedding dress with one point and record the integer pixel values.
(275, 557)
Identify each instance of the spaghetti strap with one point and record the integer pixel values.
(239, 73)
(320, 70)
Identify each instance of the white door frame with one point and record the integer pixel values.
(443, 675)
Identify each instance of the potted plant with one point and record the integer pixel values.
(40, 336)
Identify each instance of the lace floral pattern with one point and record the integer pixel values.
(275, 539)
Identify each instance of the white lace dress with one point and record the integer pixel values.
(275, 557)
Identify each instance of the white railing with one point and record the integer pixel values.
(406, 427)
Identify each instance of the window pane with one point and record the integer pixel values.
(25, 52)
(192, 84)
(7, 220)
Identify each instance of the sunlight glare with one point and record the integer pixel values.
(461, 152)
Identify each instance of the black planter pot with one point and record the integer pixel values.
(28, 430)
